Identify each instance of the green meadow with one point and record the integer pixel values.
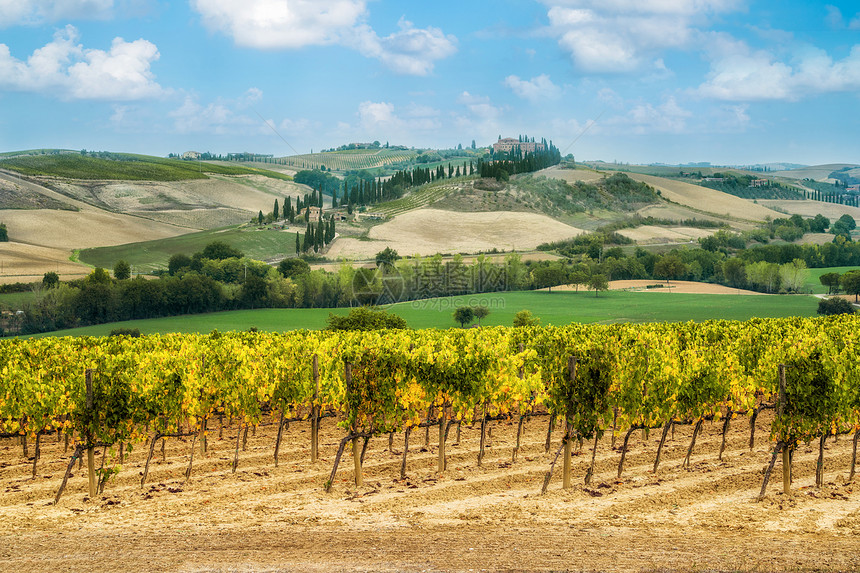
(148, 256)
(557, 308)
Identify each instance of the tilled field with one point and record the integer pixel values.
(267, 518)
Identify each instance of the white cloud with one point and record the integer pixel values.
(646, 118)
(68, 70)
(746, 75)
(220, 117)
(612, 36)
(834, 17)
(279, 24)
(276, 24)
(479, 106)
(13, 12)
(382, 116)
(535, 89)
(410, 50)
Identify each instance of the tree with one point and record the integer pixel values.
(819, 224)
(254, 291)
(549, 276)
(831, 281)
(298, 243)
(463, 315)
(525, 318)
(670, 267)
(851, 283)
(597, 283)
(51, 280)
(218, 251)
(734, 271)
(99, 276)
(121, 270)
(480, 313)
(260, 218)
(291, 268)
(177, 263)
(386, 258)
(275, 211)
(831, 306)
(4, 234)
(365, 318)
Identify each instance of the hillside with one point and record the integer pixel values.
(818, 172)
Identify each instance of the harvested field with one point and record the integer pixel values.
(29, 263)
(489, 518)
(201, 219)
(649, 234)
(250, 193)
(707, 200)
(89, 228)
(572, 175)
(812, 208)
(686, 287)
(429, 231)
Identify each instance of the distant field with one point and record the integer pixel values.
(816, 172)
(707, 200)
(430, 231)
(812, 208)
(814, 274)
(555, 308)
(347, 160)
(124, 166)
(149, 256)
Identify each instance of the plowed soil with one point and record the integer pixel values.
(267, 518)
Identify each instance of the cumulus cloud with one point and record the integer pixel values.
(65, 68)
(279, 24)
(614, 36)
(410, 50)
(13, 12)
(535, 89)
(747, 75)
(222, 116)
(382, 116)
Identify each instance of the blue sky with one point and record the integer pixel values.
(673, 81)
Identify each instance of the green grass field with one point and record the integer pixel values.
(814, 274)
(153, 255)
(556, 308)
(15, 300)
(126, 167)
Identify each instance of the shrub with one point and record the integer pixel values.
(831, 306)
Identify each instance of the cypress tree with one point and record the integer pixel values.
(275, 211)
(298, 243)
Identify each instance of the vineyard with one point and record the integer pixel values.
(584, 380)
(341, 161)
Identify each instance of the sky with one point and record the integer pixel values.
(641, 81)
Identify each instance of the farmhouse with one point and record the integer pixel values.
(759, 183)
(313, 213)
(191, 155)
(508, 144)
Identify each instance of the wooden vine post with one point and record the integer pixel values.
(443, 427)
(571, 372)
(315, 412)
(91, 460)
(786, 457)
(356, 453)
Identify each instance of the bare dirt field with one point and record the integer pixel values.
(653, 234)
(429, 231)
(688, 287)
(812, 208)
(489, 518)
(707, 200)
(29, 263)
